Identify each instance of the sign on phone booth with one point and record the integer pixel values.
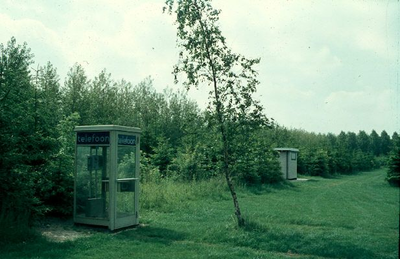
(106, 189)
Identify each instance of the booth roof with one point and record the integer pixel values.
(106, 128)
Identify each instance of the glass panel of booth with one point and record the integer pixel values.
(93, 170)
(126, 175)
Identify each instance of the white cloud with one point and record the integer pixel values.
(368, 109)
(139, 43)
(45, 44)
(374, 42)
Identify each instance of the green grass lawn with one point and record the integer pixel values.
(354, 216)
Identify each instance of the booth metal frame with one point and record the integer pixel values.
(115, 131)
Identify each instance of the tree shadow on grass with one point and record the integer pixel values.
(270, 188)
(333, 176)
(317, 245)
(262, 237)
(39, 247)
(148, 234)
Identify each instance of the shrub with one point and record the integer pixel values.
(148, 171)
(320, 163)
(393, 173)
(15, 228)
(259, 166)
(255, 161)
(314, 162)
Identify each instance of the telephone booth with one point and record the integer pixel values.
(106, 189)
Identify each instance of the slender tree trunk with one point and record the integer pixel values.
(218, 108)
(225, 142)
(228, 178)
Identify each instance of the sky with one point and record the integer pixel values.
(326, 65)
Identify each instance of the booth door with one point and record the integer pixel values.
(126, 186)
(292, 165)
(91, 183)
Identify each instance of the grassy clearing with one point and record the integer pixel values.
(346, 217)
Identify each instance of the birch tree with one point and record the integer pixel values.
(205, 60)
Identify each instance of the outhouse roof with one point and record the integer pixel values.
(286, 149)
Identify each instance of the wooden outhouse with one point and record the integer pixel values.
(288, 159)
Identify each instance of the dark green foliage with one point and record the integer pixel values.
(75, 93)
(198, 157)
(375, 143)
(163, 155)
(101, 100)
(395, 141)
(33, 170)
(255, 161)
(363, 141)
(18, 141)
(53, 185)
(315, 162)
(351, 141)
(393, 174)
(56, 183)
(16, 228)
(385, 143)
(364, 161)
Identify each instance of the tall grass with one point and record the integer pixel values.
(166, 195)
(15, 228)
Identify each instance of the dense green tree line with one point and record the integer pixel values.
(327, 154)
(38, 113)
